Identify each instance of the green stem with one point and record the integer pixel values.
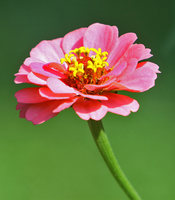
(105, 149)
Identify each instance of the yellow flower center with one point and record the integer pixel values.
(85, 66)
(81, 59)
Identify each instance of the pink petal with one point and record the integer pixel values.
(24, 69)
(150, 65)
(38, 68)
(28, 61)
(130, 68)
(36, 79)
(120, 104)
(122, 45)
(93, 87)
(139, 52)
(142, 79)
(41, 112)
(64, 104)
(46, 51)
(101, 36)
(23, 108)
(87, 109)
(21, 76)
(115, 86)
(92, 96)
(55, 68)
(118, 69)
(47, 93)
(21, 79)
(73, 40)
(29, 95)
(57, 86)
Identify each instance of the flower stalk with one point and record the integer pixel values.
(107, 153)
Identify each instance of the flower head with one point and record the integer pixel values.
(85, 69)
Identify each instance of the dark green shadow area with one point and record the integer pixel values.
(58, 160)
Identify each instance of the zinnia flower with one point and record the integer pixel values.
(85, 69)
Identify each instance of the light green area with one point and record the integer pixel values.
(58, 160)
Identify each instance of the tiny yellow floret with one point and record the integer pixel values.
(79, 59)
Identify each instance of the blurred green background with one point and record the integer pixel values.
(58, 160)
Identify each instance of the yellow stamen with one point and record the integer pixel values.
(79, 58)
(78, 67)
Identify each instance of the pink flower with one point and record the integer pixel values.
(85, 69)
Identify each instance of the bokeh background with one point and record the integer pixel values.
(58, 160)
